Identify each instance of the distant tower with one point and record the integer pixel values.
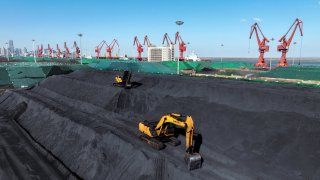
(11, 47)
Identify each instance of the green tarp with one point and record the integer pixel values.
(294, 72)
(4, 77)
(26, 74)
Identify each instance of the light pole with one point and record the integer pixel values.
(301, 40)
(294, 50)
(80, 35)
(7, 51)
(272, 39)
(188, 43)
(34, 52)
(221, 56)
(179, 23)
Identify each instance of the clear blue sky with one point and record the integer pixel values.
(208, 23)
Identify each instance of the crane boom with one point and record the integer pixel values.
(182, 45)
(99, 47)
(67, 50)
(77, 49)
(139, 47)
(58, 52)
(167, 39)
(49, 51)
(40, 51)
(262, 43)
(147, 41)
(285, 44)
(110, 48)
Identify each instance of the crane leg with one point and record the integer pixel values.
(283, 61)
(261, 62)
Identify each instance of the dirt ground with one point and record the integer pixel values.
(90, 128)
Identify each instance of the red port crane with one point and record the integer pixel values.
(40, 51)
(285, 44)
(49, 51)
(99, 47)
(110, 48)
(67, 50)
(77, 49)
(167, 39)
(262, 43)
(139, 47)
(58, 52)
(147, 41)
(182, 46)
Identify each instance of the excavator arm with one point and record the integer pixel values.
(162, 127)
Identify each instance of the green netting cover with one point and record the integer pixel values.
(25, 72)
(25, 82)
(135, 66)
(294, 72)
(197, 66)
(166, 67)
(31, 59)
(4, 77)
(231, 65)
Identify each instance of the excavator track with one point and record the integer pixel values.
(154, 143)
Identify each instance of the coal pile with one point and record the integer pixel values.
(89, 128)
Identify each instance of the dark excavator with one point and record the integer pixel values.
(125, 81)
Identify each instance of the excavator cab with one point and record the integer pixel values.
(165, 131)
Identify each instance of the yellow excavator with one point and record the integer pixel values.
(124, 81)
(156, 134)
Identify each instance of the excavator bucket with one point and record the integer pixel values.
(194, 161)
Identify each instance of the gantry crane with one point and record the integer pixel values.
(182, 46)
(40, 51)
(66, 50)
(58, 52)
(167, 39)
(147, 41)
(139, 47)
(262, 43)
(99, 47)
(110, 48)
(285, 44)
(77, 49)
(49, 51)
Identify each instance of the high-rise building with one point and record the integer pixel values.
(11, 47)
(165, 53)
(17, 52)
(25, 52)
(2, 52)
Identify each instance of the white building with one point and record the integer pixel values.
(3, 52)
(165, 53)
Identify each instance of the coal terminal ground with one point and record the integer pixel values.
(79, 126)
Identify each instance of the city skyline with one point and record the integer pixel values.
(208, 24)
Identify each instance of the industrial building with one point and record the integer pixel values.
(161, 53)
